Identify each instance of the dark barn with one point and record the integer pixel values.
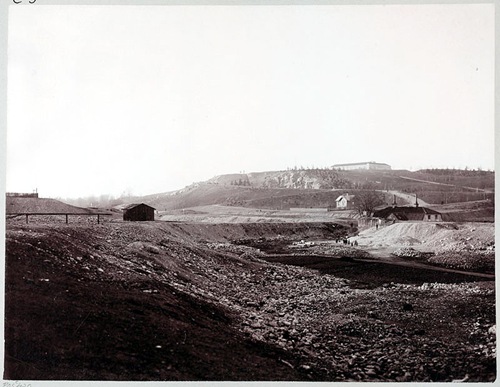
(138, 212)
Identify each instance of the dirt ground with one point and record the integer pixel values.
(173, 301)
(439, 236)
(235, 214)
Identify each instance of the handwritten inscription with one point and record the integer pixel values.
(16, 384)
(20, 1)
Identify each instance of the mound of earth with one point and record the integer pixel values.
(431, 236)
(172, 301)
(23, 205)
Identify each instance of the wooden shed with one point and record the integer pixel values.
(138, 212)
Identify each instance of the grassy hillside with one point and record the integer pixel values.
(429, 187)
(402, 180)
(320, 188)
(313, 187)
(274, 198)
(203, 194)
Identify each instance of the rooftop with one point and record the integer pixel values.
(133, 205)
(399, 211)
(360, 163)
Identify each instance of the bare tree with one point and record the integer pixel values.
(366, 201)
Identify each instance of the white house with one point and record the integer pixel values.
(345, 202)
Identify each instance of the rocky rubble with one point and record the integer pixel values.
(482, 260)
(463, 246)
(408, 252)
(327, 248)
(394, 332)
(432, 236)
(302, 312)
(311, 319)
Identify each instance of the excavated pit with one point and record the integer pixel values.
(177, 301)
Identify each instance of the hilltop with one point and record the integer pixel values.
(461, 195)
(466, 196)
(431, 180)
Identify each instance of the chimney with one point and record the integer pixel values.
(416, 201)
(394, 201)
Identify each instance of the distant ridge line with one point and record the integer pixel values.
(21, 195)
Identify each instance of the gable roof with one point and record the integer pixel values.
(405, 213)
(133, 205)
(398, 216)
(347, 197)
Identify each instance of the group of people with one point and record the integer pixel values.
(346, 241)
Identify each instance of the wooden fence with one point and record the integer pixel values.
(28, 214)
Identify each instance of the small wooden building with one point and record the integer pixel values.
(345, 202)
(138, 212)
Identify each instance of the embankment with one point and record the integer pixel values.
(165, 301)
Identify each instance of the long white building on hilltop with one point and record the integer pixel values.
(370, 165)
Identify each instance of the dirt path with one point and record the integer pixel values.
(409, 198)
(447, 185)
(383, 255)
(372, 265)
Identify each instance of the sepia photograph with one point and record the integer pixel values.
(248, 192)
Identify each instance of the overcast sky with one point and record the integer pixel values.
(147, 99)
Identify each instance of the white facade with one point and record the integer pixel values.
(344, 202)
(370, 165)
